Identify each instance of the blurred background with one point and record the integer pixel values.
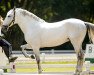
(50, 11)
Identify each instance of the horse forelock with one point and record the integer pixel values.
(26, 13)
(10, 12)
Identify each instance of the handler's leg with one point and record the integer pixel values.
(8, 50)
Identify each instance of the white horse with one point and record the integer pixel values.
(39, 33)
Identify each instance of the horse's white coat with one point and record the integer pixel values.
(44, 34)
(39, 33)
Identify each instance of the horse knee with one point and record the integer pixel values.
(80, 55)
(38, 61)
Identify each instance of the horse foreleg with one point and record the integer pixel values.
(37, 55)
(24, 47)
(80, 57)
(38, 63)
(24, 51)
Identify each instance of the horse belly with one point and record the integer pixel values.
(55, 41)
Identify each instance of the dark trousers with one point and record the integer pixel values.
(6, 46)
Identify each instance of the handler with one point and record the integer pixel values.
(6, 46)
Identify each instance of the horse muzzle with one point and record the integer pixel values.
(4, 29)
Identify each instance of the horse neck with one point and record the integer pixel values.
(27, 23)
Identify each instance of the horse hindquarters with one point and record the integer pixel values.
(77, 44)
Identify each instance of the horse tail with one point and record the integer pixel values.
(90, 30)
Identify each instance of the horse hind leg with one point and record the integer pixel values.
(80, 56)
(80, 59)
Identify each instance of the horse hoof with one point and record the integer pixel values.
(76, 73)
(40, 72)
(32, 56)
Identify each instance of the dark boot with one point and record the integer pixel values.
(12, 59)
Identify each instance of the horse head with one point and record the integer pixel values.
(9, 20)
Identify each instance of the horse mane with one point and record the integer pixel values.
(29, 14)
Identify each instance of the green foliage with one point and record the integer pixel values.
(49, 10)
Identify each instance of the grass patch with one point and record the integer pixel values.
(65, 69)
(47, 70)
(59, 62)
(47, 62)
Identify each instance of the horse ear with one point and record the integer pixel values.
(14, 8)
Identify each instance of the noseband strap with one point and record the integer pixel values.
(12, 20)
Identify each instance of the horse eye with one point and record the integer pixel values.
(9, 16)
